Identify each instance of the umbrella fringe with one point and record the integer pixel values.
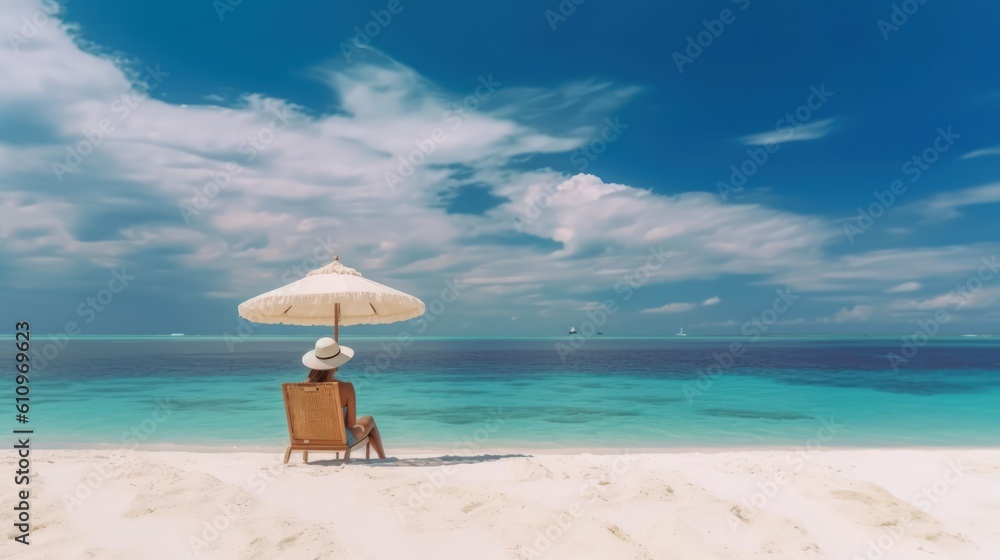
(323, 299)
(328, 322)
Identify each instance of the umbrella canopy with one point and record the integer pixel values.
(332, 295)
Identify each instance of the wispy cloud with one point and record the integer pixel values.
(856, 314)
(682, 307)
(671, 308)
(946, 206)
(810, 131)
(983, 298)
(994, 151)
(904, 287)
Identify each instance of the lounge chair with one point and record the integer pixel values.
(316, 421)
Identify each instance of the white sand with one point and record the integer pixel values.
(745, 504)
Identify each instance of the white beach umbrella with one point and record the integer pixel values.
(332, 295)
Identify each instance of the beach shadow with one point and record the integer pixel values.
(420, 461)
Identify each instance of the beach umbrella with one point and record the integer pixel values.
(332, 295)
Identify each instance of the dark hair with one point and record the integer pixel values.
(321, 375)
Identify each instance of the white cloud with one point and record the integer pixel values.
(671, 308)
(705, 236)
(904, 287)
(995, 151)
(858, 313)
(982, 298)
(680, 307)
(946, 205)
(809, 131)
(864, 272)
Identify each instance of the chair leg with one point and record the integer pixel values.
(288, 453)
(368, 450)
(305, 456)
(338, 454)
(347, 455)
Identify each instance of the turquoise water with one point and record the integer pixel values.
(491, 393)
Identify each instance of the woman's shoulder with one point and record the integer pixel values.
(346, 391)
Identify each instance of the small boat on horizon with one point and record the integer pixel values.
(572, 330)
(177, 334)
(681, 332)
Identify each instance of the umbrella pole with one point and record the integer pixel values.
(336, 322)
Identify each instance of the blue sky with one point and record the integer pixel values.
(562, 150)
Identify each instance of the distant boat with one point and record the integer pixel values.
(177, 334)
(599, 332)
(681, 333)
(572, 330)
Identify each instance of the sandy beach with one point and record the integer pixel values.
(127, 504)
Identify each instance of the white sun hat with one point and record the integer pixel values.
(327, 355)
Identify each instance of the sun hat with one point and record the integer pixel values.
(327, 355)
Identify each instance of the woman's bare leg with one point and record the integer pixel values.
(367, 427)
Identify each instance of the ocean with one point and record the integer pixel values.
(467, 394)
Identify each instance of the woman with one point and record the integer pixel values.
(323, 363)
